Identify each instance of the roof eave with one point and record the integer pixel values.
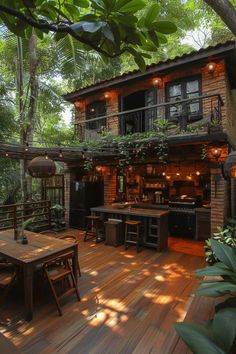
(170, 64)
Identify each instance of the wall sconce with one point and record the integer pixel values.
(157, 81)
(77, 104)
(106, 96)
(216, 152)
(99, 168)
(211, 67)
(229, 167)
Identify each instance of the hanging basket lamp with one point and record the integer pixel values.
(41, 167)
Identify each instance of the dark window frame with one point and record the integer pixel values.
(183, 82)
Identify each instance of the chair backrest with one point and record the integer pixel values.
(69, 237)
(59, 260)
(49, 233)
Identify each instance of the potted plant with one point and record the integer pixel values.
(58, 221)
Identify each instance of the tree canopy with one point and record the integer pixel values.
(110, 27)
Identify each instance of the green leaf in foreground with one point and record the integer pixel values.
(198, 339)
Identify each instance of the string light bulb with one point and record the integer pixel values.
(60, 154)
(26, 146)
(46, 155)
(198, 173)
(6, 154)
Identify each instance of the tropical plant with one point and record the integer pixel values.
(111, 27)
(225, 236)
(217, 336)
(58, 220)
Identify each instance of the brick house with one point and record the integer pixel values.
(194, 91)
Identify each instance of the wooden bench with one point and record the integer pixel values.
(6, 346)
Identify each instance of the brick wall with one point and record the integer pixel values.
(230, 108)
(109, 186)
(218, 199)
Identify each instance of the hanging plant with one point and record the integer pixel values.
(88, 164)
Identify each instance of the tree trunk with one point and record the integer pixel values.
(226, 11)
(20, 94)
(34, 87)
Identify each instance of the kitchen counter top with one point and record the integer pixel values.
(151, 206)
(152, 213)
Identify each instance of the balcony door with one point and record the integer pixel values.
(151, 113)
(138, 120)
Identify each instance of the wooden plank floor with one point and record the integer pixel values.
(129, 304)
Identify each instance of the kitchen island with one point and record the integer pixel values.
(154, 222)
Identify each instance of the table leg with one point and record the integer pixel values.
(75, 263)
(28, 291)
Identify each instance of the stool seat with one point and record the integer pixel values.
(132, 222)
(132, 233)
(95, 228)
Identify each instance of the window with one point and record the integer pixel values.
(95, 110)
(187, 88)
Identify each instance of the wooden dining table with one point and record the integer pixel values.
(39, 250)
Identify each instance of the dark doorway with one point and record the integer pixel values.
(134, 121)
(138, 121)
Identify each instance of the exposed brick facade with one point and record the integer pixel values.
(218, 199)
(109, 186)
(215, 83)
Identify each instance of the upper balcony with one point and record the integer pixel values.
(200, 114)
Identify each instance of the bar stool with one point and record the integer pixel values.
(95, 228)
(132, 234)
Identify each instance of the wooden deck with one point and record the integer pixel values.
(129, 304)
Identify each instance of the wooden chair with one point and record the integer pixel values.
(58, 271)
(7, 278)
(72, 239)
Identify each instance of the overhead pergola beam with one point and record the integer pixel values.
(75, 154)
(69, 154)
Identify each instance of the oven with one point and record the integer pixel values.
(182, 217)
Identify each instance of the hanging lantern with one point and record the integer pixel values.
(41, 167)
(229, 168)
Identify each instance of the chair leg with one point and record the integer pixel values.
(54, 295)
(74, 283)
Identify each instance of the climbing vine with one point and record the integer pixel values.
(131, 146)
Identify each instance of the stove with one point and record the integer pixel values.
(182, 217)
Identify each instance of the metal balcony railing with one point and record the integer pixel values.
(205, 110)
